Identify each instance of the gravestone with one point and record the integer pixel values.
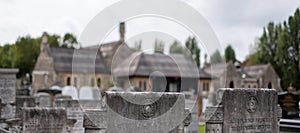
(135, 112)
(89, 93)
(46, 120)
(95, 120)
(70, 91)
(289, 104)
(7, 94)
(244, 110)
(74, 111)
(193, 107)
(43, 100)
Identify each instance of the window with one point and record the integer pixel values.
(254, 86)
(249, 86)
(68, 81)
(270, 85)
(145, 85)
(231, 84)
(75, 82)
(205, 86)
(99, 82)
(140, 85)
(92, 82)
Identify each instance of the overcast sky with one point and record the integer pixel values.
(236, 22)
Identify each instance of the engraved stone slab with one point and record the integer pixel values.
(144, 112)
(74, 111)
(45, 120)
(8, 85)
(43, 100)
(245, 110)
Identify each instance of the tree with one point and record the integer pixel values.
(215, 57)
(70, 41)
(192, 45)
(24, 52)
(229, 54)
(176, 48)
(279, 46)
(159, 46)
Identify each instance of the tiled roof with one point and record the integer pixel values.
(84, 61)
(142, 64)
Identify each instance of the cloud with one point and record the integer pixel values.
(235, 22)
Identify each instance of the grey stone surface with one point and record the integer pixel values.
(46, 120)
(144, 112)
(95, 121)
(193, 107)
(43, 100)
(244, 110)
(8, 85)
(75, 110)
(23, 101)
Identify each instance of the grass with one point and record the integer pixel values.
(202, 128)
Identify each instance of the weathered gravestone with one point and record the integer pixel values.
(43, 100)
(193, 106)
(139, 112)
(89, 93)
(7, 94)
(289, 104)
(244, 111)
(46, 120)
(75, 110)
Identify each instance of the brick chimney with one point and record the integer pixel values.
(122, 31)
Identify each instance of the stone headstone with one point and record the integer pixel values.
(7, 85)
(89, 93)
(95, 121)
(71, 91)
(74, 111)
(244, 110)
(193, 107)
(145, 112)
(43, 100)
(7, 94)
(46, 120)
(289, 104)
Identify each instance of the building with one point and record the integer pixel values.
(68, 67)
(90, 66)
(231, 75)
(157, 72)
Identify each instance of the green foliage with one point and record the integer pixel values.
(159, 46)
(192, 45)
(69, 41)
(279, 46)
(24, 52)
(229, 54)
(176, 48)
(215, 57)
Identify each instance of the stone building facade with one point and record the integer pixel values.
(230, 75)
